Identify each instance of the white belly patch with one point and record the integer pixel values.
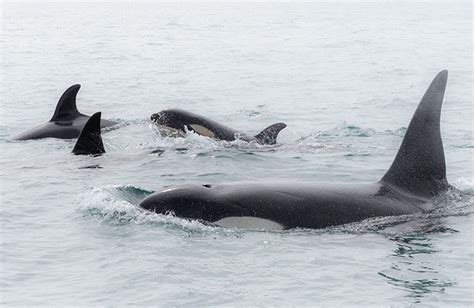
(248, 222)
(201, 130)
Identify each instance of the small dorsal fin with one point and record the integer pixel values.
(66, 106)
(270, 134)
(90, 140)
(419, 166)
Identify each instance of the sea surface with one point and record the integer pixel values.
(345, 76)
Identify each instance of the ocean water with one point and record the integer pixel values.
(345, 76)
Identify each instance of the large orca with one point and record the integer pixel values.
(66, 123)
(417, 174)
(90, 140)
(176, 120)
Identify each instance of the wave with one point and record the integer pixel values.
(118, 205)
(351, 130)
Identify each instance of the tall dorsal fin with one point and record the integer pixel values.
(419, 166)
(270, 134)
(66, 106)
(90, 141)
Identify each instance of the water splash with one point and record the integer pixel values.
(118, 205)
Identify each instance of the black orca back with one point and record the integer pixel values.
(420, 166)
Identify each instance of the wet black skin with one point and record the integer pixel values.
(291, 205)
(417, 174)
(89, 141)
(67, 128)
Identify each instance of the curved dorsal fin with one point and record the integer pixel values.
(90, 141)
(419, 166)
(270, 134)
(66, 106)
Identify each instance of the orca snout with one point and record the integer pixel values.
(155, 117)
(164, 118)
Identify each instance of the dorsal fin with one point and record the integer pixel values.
(90, 141)
(419, 166)
(270, 134)
(66, 106)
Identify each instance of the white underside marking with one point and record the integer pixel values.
(248, 222)
(201, 130)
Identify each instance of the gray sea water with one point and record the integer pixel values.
(346, 77)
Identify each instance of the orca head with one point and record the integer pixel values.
(188, 201)
(171, 118)
(205, 203)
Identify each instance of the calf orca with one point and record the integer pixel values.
(90, 140)
(417, 174)
(66, 122)
(176, 122)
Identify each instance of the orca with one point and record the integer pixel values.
(66, 122)
(90, 140)
(175, 122)
(417, 174)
